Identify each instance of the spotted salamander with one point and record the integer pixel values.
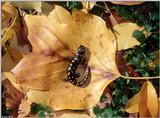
(72, 74)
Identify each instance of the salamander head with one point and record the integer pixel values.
(80, 50)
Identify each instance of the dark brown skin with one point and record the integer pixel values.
(71, 70)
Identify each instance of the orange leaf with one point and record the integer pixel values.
(148, 100)
(152, 102)
(133, 104)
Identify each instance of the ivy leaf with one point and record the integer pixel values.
(41, 114)
(148, 27)
(140, 36)
(74, 4)
(103, 98)
(107, 112)
(124, 99)
(39, 108)
(97, 110)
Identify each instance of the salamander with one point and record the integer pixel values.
(72, 74)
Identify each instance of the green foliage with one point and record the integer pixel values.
(146, 14)
(140, 59)
(139, 35)
(108, 112)
(123, 90)
(5, 111)
(74, 4)
(41, 110)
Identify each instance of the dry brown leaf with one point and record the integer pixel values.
(13, 96)
(24, 108)
(10, 60)
(14, 53)
(44, 68)
(10, 15)
(155, 62)
(12, 31)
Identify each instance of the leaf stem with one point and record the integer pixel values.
(126, 77)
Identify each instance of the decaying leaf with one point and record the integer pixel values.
(45, 68)
(13, 37)
(14, 53)
(123, 33)
(155, 62)
(9, 17)
(13, 97)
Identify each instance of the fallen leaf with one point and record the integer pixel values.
(111, 21)
(24, 108)
(29, 5)
(13, 97)
(46, 7)
(155, 62)
(13, 28)
(71, 114)
(88, 5)
(145, 102)
(133, 104)
(8, 62)
(127, 3)
(14, 53)
(148, 100)
(143, 108)
(10, 14)
(44, 69)
(124, 32)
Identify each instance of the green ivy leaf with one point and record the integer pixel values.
(108, 112)
(140, 36)
(148, 27)
(124, 99)
(97, 110)
(41, 109)
(74, 4)
(41, 114)
(103, 98)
